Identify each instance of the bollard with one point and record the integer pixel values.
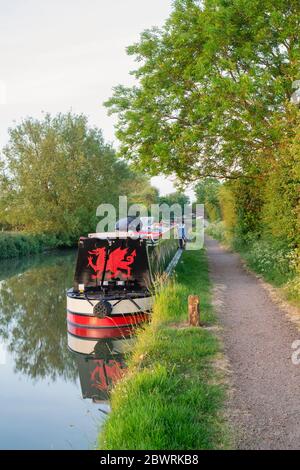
(194, 310)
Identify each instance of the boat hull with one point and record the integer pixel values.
(125, 316)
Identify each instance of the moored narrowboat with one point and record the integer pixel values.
(114, 282)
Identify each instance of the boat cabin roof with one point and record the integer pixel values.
(129, 234)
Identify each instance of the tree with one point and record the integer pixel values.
(56, 172)
(213, 89)
(213, 100)
(207, 193)
(176, 197)
(140, 191)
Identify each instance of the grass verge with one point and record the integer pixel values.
(270, 258)
(172, 396)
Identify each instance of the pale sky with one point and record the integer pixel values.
(61, 55)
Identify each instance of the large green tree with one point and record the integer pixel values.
(56, 171)
(213, 89)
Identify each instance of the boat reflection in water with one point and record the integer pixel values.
(100, 365)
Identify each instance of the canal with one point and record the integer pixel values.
(42, 382)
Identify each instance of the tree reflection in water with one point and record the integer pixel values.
(33, 316)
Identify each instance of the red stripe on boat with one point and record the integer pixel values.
(100, 333)
(124, 320)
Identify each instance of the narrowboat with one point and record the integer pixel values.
(115, 278)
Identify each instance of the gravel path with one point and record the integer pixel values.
(264, 409)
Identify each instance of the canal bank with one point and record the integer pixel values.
(172, 395)
(19, 244)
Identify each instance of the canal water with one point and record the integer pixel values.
(50, 398)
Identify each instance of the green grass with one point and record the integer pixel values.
(270, 258)
(172, 396)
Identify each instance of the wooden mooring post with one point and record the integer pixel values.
(194, 310)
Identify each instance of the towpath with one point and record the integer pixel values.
(264, 407)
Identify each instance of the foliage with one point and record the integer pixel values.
(55, 174)
(247, 195)
(213, 99)
(273, 259)
(228, 207)
(281, 198)
(172, 396)
(217, 231)
(22, 244)
(141, 192)
(207, 193)
(213, 89)
(176, 197)
(292, 290)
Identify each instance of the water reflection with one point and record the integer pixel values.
(43, 383)
(32, 316)
(100, 370)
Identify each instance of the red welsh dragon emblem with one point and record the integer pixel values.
(104, 376)
(118, 263)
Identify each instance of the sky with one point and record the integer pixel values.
(62, 55)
